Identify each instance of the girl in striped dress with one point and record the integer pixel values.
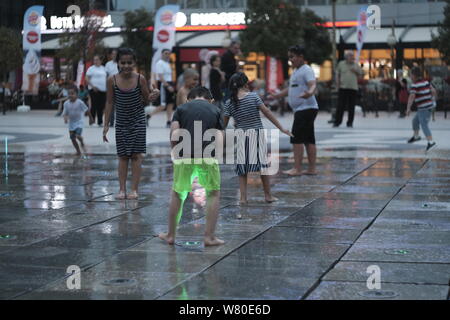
(129, 92)
(244, 107)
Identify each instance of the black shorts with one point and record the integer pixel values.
(303, 127)
(169, 97)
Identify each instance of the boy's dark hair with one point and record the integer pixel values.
(199, 92)
(125, 52)
(297, 50)
(237, 81)
(416, 72)
(213, 58)
(164, 50)
(72, 87)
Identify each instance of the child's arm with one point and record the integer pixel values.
(181, 97)
(174, 133)
(108, 109)
(226, 119)
(269, 115)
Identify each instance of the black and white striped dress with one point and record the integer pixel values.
(250, 143)
(130, 121)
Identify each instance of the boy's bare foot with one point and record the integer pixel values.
(120, 196)
(209, 242)
(293, 172)
(271, 199)
(133, 195)
(243, 202)
(310, 173)
(165, 237)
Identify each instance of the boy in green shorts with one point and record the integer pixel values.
(196, 116)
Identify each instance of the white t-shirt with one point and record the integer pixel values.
(98, 77)
(298, 84)
(111, 68)
(75, 111)
(163, 67)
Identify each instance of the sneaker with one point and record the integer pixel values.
(349, 126)
(414, 139)
(430, 145)
(168, 124)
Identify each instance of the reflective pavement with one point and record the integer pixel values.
(317, 242)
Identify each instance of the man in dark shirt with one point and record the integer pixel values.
(229, 64)
(196, 121)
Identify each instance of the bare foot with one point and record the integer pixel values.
(271, 199)
(293, 172)
(209, 242)
(165, 237)
(243, 202)
(239, 216)
(133, 195)
(120, 196)
(309, 173)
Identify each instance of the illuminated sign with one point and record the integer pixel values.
(76, 22)
(210, 19)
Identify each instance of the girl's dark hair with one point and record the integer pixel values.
(125, 52)
(237, 81)
(213, 58)
(199, 92)
(298, 50)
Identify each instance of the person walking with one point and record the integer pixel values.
(229, 65)
(216, 80)
(423, 95)
(129, 92)
(111, 70)
(300, 92)
(348, 73)
(96, 78)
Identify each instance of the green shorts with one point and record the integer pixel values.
(185, 171)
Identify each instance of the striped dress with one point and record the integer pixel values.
(130, 121)
(251, 143)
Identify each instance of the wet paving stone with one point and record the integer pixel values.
(424, 223)
(402, 205)
(335, 195)
(330, 222)
(422, 237)
(310, 235)
(347, 204)
(99, 283)
(411, 273)
(331, 290)
(223, 231)
(17, 279)
(398, 252)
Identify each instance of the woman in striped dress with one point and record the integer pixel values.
(244, 107)
(129, 92)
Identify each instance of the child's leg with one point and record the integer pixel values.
(136, 170)
(80, 138)
(424, 119)
(416, 125)
(243, 189)
(75, 144)
(123, 172)
(212, 214)
(298, 159)
(311, 150)
(176, 201)
(265, 179)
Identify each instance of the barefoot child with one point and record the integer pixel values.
(244, 107)
(194, 163)
(128, 91)
(191, 80)
(73, 113)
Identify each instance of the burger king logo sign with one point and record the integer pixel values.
(167, 18)
(163, 36)
(32, 37)
(33, 18)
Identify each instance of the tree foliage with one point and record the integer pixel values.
(442, 40)
(11, 55)
(274, 25)
(138, 38)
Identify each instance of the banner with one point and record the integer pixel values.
(274, 74)
(361, 32)
(31, 49)
(164, 32)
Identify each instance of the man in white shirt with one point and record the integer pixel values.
(111, 70)
(300, 92)
(166, 86)
(96, 79)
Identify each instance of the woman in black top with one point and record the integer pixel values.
(216, 79)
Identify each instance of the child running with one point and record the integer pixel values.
(191, 80)
(423, 94)
(189, 165)
(244, 107)
(128, 91)
(73, 113)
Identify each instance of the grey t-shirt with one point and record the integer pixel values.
(205, 114)
(298, 84)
